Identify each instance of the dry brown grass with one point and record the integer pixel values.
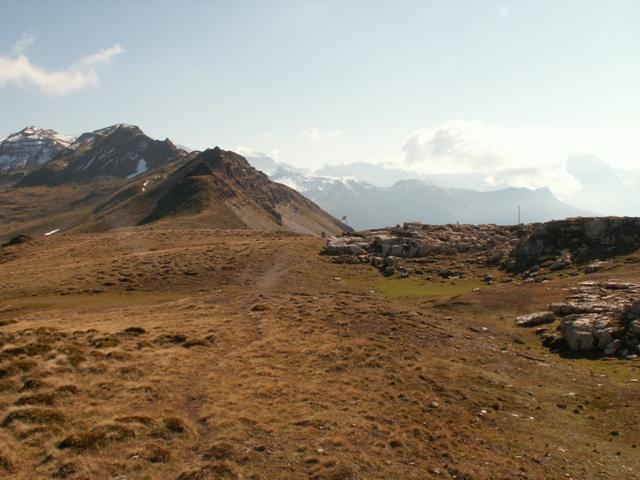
(179, 376)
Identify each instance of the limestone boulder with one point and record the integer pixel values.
(535, 319)
(584, 332)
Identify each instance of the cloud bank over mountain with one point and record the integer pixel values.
(529, 156)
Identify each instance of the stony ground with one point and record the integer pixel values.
(159, 354)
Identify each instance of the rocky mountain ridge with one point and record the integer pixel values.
(120, 151)
(215, 187)
(119, 177)
(30, 147)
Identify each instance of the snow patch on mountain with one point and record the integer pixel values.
(140, 168)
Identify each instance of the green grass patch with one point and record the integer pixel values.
(19, 305)
(415, 287)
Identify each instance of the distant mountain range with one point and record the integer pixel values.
(132, 179)
(368, 206)
(118, 177)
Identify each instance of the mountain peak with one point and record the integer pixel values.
(121, 151)
(119, 126)
(230, 163)
(220, 189)
(117, 129)
(31, 146)
(35, 132)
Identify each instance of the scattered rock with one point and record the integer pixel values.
(535, 319)
(346, 246)
(479, 329)
(594, 267)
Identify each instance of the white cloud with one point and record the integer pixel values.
(18, 70)
(529, 156)
(316, 135)
(101, 57)
(25, 42)
(255, 153)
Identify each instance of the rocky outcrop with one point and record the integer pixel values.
(584, 332)
(560, 243)
(418, 240)
(532, 251)
(415, 240)
(596, 316)
(347, 246)
(400, 250)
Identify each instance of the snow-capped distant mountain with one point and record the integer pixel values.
(121, 151)
(267, 164)
(318, 187)
(368, 206)
(30, 147)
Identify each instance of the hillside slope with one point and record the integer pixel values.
(213, 189)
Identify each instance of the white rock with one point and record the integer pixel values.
(535, 319)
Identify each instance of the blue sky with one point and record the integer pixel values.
(447, 86)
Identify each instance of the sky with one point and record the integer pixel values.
(509, 89)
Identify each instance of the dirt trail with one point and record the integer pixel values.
(280, 265)
(195, 393)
